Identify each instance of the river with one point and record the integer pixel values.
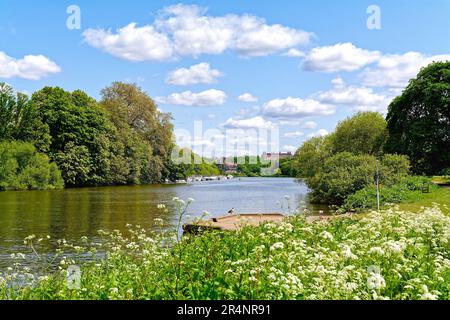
(72, 213)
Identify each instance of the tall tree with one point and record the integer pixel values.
(363, 133)
(419, 120)
(135, 114)
(81, 135)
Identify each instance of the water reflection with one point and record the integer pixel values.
(73, 213)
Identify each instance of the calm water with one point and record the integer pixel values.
(73, 213)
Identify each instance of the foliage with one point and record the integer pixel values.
(342, 175)
(20, 120)
(123, 140)
(288, 167)
(419, 120)
(393, 168)
(366, 198)
(21, 167)
(344, 162)
(76, 124)
(188, 164)
(144, 133)
(383, 255)
(363, 133)
(311, 156)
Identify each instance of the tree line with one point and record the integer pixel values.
(121, 139)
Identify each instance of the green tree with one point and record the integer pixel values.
(393, 168)
(21, 168)
(419, 120)
(77, 124)
(363, 133)
(311, 156)
(20, 120)
(144, 132)
(342, 174)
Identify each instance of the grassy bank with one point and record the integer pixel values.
(386, 255)
(417, 200)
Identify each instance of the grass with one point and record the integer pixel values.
(416, 200)
(390, 254)
(441, 179)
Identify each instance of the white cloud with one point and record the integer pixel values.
(247, 97)
(132, 43)
(293, 134)
(30, 67)
(210, 97)
(199, 73)
(296, 108)
(309, 125)
(294, 53)
(339, 57)
(186, 30)
(257, 122)
(319, 133)
(394, 70)
(358, 98)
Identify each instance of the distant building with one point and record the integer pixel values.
(228, 165)
(269, 156)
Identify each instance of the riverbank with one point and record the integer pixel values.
(385, 255)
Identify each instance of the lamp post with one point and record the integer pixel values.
(378, 190)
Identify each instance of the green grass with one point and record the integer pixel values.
(441, 179)
(382, 255)
(416, 200)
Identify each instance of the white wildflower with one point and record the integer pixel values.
(276, 246)
(326, 235)
(376, 281)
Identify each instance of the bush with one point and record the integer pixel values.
(366, 198)
(343, 174)
(21, 167)
(363, 133)
(394, 168)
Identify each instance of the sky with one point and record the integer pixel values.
(257, 75)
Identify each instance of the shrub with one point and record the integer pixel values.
(21, 167)
(366, 198)
(343, 174)
(363, 133)
(394, 168)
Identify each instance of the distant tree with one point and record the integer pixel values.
(363, 133)
(419, 120)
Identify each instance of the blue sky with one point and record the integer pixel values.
(303, 65)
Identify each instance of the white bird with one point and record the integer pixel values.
(231, 211)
